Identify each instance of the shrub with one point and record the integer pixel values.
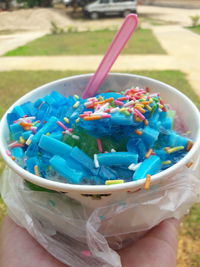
(195, 20)
(55, 29)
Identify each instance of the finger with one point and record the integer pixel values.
(18, 248)
(166, 231)
(157, 248)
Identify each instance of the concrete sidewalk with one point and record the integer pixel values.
(90, 62)
(11, 41)
(178, 16)
(184, 47)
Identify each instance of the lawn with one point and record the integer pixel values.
(16, 83)
(88, 43)
(195, 29)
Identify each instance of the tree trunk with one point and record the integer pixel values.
(74, 5)
(46, 3)
(7, 4)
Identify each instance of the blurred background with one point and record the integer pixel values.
(44, 40)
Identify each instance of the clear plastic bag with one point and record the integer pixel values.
(81, 237)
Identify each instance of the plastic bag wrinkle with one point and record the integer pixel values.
(66, 228)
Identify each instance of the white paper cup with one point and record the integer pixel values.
(99, 195)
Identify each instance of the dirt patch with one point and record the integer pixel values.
(188, 249)
(37, 19)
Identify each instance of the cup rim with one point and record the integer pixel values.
(65, 187)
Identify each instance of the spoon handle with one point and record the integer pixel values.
(118, 43)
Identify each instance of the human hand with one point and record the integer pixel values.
(19, 249)
(157, 248)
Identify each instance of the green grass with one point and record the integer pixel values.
(86, 43)
(2, 210)
(195, 29)
(192, 223)
(14, 84)
(195, 261)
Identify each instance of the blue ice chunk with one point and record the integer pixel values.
(136, 145)
(110, 94)
(155, 125)
(50, 100)
(141, 148)
(79, 156)
(16, 130)
(30, 163)
(45, 156)
(176, 140)
(162, 115)
(121, 119)
(43, 167)
(61, 113)
(15, 127)
(26, 134)
(57, 135)
(76, 112)
(123, 173)
(151, 166)
(162, 154)
(44, 106)
(69, 111)
(105, 172)
(50, 126)
(18, 110)
(99, 129)
(59, 99)
(29, 108)
(52, 111)
(63, 168)
(155, 116)
(11, 117)
(55, 147)
(88, 125)
(32, 149)
(42, 112)
(149, 136)
(132, 145)
(117, 158)
(167, 123)
(17, 152)
(70, 101)
(58, 112)
(38, 102)
(154, 121)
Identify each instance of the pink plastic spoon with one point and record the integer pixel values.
(118, 43)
